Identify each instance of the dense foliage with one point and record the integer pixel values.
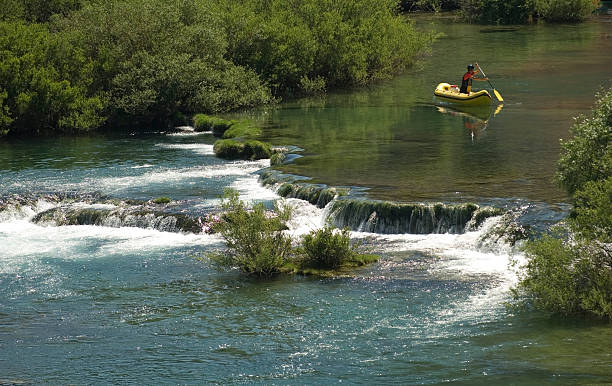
(72, 65)
(570, 271)
(522, 11)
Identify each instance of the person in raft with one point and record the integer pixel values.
(466, 82)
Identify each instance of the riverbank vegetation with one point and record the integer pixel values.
(570, 270)
(258, 244)
(509, 11)
(74, 66)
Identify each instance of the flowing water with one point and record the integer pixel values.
(100, 285)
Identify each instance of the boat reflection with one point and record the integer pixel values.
(475, 118)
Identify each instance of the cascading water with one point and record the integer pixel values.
(100, 304)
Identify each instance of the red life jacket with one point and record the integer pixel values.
(466, 83)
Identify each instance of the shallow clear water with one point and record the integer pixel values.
(93, 304)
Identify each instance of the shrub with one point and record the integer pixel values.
(254, 150)
(326, 248)
(497, 11)
(314, 86)
(565, 10)
(306, 46)
(571, 272)
(255, 240)
(567, 278)
(45, 83)
(587, 156)
(523, 11)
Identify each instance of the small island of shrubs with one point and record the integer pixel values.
(257, 243)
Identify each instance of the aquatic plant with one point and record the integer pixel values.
(326, 248)
(255, 240)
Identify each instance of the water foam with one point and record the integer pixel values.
(199, 148)
(236, 168)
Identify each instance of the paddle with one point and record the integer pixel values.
(498, 95)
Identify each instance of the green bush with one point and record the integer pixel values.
(228, 149)
(571, 272)
(45, 83)
(203, 122)
(567, 278)
(497, 11)
(523, 11)
(565, 10)
(255, 240)
(310, 45)
(592, 212)
(587, 156)
(326, 248)
(278, 159)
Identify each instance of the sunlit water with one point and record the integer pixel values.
(93, 304)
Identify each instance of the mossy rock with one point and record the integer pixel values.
(249, 150)
(242, 129)
(203, 122)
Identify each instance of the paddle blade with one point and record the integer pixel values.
(498, 95)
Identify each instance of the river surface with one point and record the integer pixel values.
(91, 304)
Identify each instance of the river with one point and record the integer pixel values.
(128, 301)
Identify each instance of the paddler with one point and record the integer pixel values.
(466, 82)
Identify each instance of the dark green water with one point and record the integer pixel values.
(101, 304)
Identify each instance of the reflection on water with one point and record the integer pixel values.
(389, 140)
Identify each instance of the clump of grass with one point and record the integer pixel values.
(161, 200)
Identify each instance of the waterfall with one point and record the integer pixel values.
(112, 216)
(418, 218)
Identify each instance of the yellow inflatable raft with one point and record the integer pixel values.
(450, 94)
